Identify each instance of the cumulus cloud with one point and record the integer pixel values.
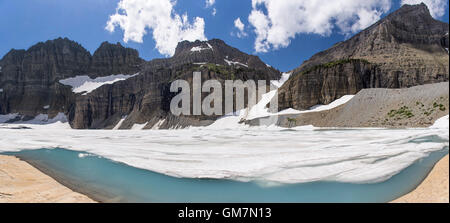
(277, 22)
(136, 17)
(436, 7)
(210, 3)
(241, 28)
(238, 24)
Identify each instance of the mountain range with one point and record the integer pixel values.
(406, 48)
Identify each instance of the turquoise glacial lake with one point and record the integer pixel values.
(108, 181)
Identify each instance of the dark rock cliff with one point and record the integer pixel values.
(325, 83)
(214, 51)
(29, 81)
(29, 78)
(114, 59)
(407, 47)
(145, 98)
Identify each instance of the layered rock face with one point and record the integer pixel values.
(326, 83)
(29, 81)
(114, 59)
(29, 78)
(408, 47)
(214, 51)
(145, 99)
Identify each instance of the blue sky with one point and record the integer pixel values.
(26, 22)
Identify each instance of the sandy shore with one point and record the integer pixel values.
(22, 183)
(434, 189)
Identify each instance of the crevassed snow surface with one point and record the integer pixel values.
(86, 84)
(270, 154)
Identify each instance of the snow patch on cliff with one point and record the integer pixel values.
(200, 48)
(120, 123)
(138, 126)
(86, 84)
(235, 63)
(158, 124)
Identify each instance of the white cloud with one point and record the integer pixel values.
(136, 17)
(238, 24)
(436, 7)
(210, 3)
(241, 27)
(283, 20)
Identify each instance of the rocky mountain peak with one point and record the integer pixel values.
(59, 44)
(48, 61)
(386, 41)
(13, 56)
(414, 10)
(107, 46)
(114, 59)
(406, 48)
(198, 46)
(216, 51)
(414, 24)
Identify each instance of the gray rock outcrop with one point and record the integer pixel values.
(145, 99)
(404, 49)
(29, 78)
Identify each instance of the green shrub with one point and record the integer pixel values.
(292, 120)
(403, 112)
